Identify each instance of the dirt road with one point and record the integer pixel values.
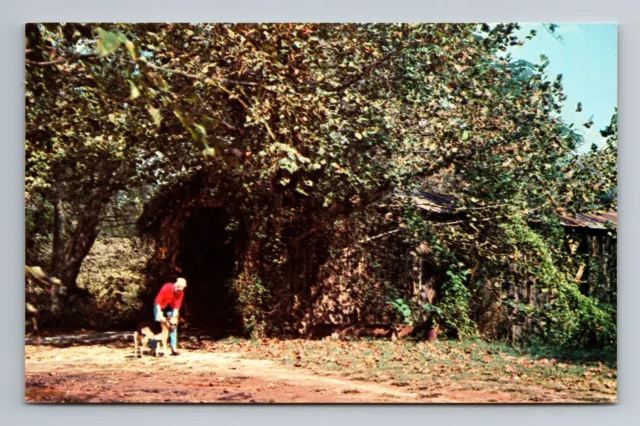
(110, 374)
(103, 373)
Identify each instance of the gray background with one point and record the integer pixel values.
(12, 19)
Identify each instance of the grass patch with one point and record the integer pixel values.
(455, 365)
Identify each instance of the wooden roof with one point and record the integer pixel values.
(442, 204)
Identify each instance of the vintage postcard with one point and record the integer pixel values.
(321, 213)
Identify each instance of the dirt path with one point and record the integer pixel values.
(109, 372)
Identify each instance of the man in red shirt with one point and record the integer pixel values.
(168, 301)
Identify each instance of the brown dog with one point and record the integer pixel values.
(158, 331)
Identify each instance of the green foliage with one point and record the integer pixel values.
(403, 309)
(253, 298)
(113, 273)
(43, 299)
(454, 305)
(590, 180)
(570, 319)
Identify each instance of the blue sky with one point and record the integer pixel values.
(587, 58)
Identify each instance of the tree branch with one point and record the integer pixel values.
(456, 222)
(44, 64)
(199, 77)
(366, 240)
(368, 69)
(153, 66)
(388, 186)
(377, 194)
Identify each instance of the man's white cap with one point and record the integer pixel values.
(181, 282)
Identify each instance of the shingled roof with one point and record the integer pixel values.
(443, 204)
(592, 221)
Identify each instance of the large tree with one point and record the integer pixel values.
(299, 126)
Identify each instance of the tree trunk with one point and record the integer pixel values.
(82, 239)
(57, 255)
(79, 247)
